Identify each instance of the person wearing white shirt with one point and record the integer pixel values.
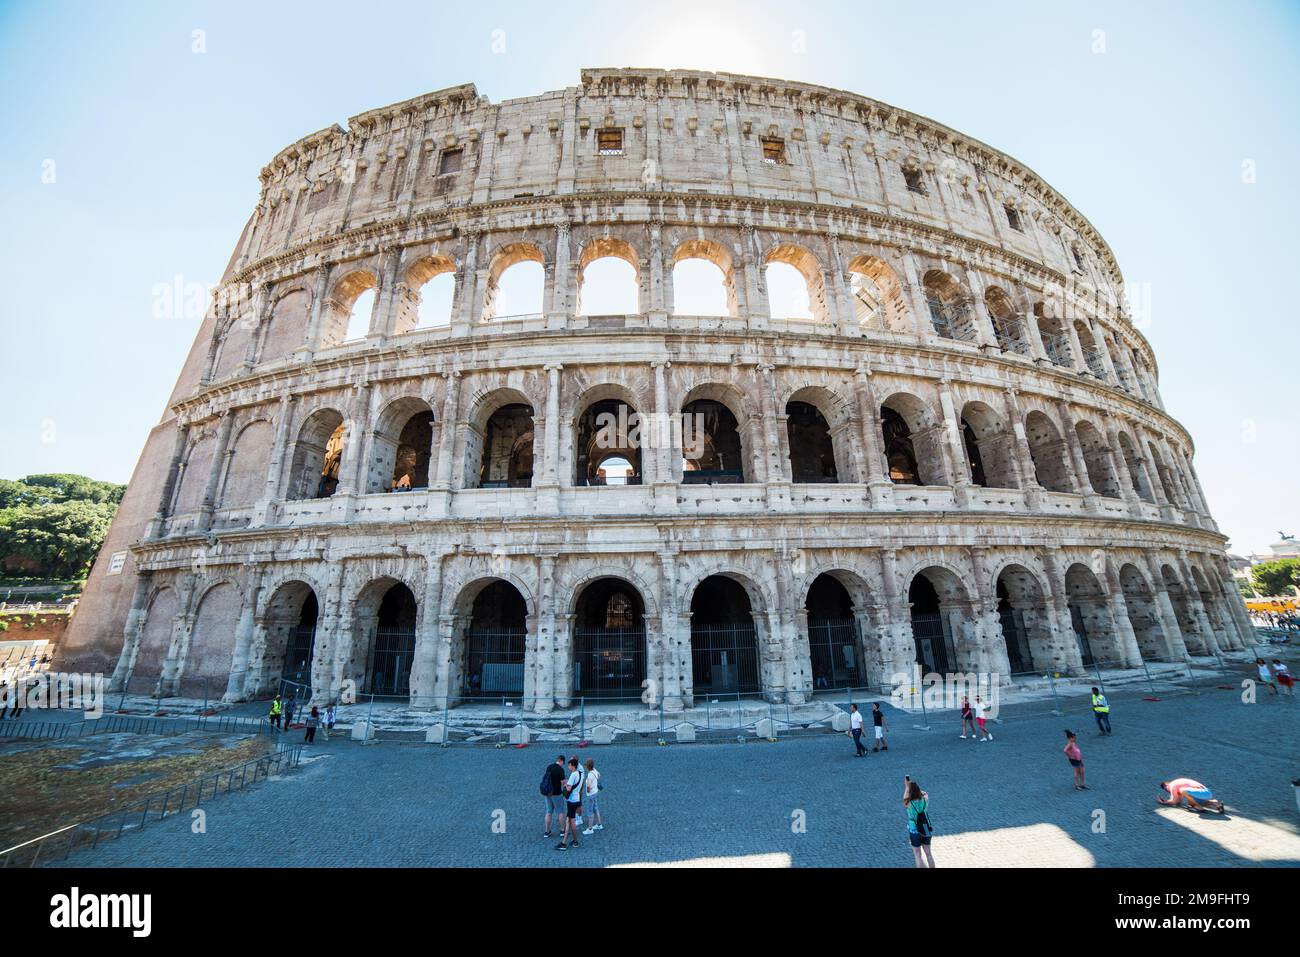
(591, 800)
(573, 789)
(855, 729)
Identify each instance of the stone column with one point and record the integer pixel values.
(675, 653)
(751, 262)
(134, 628)
(239, 662)
(899, 650)
(985, 335)
(838, 296)
(960, 474)
(424, 665)
(548, 490)
(1165, 609)
(1153, 476)
(463, 317)
(1083, 482)
(777, 472)
(220, 462)
(558, 300)
(541, 671)
(263, 510)
(440, 490)
(182, 625)
(159, 522)
(311, 337)
(914, 292)
(1020, 445)
(1066, 653)
(879, 488)
(1197, 607)
(325, 673)
(660, 306)
(665, 455)
(994, 659)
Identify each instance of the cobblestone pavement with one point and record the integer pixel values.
(1005, 802)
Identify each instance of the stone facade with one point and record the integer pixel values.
(965, 440)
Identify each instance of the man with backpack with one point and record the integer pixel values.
(553, 790)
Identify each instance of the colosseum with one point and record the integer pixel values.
(956, 455)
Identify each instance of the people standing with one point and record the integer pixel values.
(313, 721)
(1075, 757)
(1101, 711)
(290, 709)
(573, 806)
(919, 830)
(878, 720)
(855, 729)
(591, 800)
(1285, 682)
(327, 721)
(1265, 675)
(277, 711)
(981, 716)
(967, 718)
(552, 788)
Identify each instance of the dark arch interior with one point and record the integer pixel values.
(411, 465)
(302, 643)
(711, 450)
(812, 453)
(495, 641)
(609, 640)
(724, 644)
(1014, 633)
(832, 635)
(394, 647)
(899, 452)
(973, 458)
(934, 651)
(508, 448)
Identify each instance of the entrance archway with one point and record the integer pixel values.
(609, 659)
(724, 643)
(833, 639)
(495, 643)
(393, 647)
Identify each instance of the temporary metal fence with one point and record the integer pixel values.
(60, 844)
(21, 728)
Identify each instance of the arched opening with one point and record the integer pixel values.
(795, 287)
(1094, 631)
(290, 621)
(703, 283)
(499, 444)
(932, 626)
(911, 442)
(317, 456)
(877, 295)
(1187, 621)
(1047, 449)
(430, 292)
(949, 309)
(1096, 458)
(1214, 610)
(712, 452)
(402, 447)
(1142, 614)
(833, 637)
(1133, 464)
(347, 313)
(608, 279)
(516, 283)
(384, 638)
(812, 452)
(609, 641)
(608, 444)
(1025, 620)
(1007, 325)
(155, 642)
(495, 641)
(724, 642)
(1162, 472)
(1055, 338)
(1091, 356)
(245, 478)
(990, 447)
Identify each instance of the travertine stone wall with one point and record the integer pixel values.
(995, 316)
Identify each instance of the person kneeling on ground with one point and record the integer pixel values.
(1196, 794)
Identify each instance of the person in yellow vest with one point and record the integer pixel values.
(1101, 711)
(277, 709)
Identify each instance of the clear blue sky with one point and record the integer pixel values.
(156, 151)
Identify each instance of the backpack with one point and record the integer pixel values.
(923, 825)
(547, 790)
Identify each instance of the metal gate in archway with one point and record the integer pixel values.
(390, 671)
(833, 650)
(1015, 639)
(931, 642)
(297, 657)
(609, 662)
(494, 662)
(724, 658)
(1081, 636)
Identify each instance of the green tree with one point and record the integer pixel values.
(1276, 578)
(62, 536)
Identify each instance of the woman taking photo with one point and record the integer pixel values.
(916, 802)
